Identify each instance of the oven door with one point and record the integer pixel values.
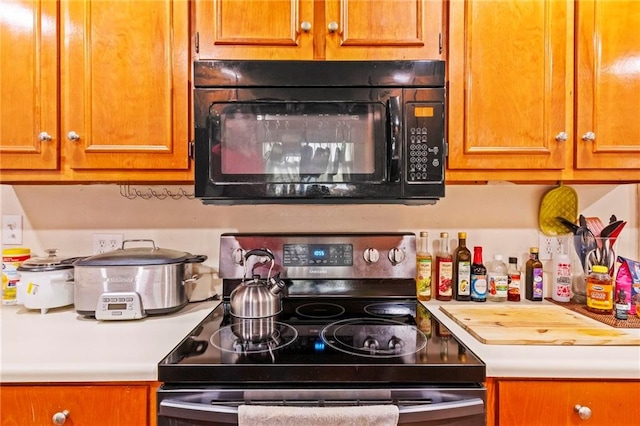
(266, 144)
(424, 406)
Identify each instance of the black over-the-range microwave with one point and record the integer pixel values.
(333, 132)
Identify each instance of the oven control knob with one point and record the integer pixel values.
(396, 255)
(238, 256)
(395, 343)
(370, 344)
(371, 255)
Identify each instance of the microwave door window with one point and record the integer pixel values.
(301, 142)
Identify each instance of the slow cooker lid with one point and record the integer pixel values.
(135, 256)
(50, 262)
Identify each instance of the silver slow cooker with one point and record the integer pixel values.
(131, 283)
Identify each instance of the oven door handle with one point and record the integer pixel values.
(408, 414)
(441, 411)
(194, 411)
(394, 146)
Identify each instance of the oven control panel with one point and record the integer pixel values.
(326, 256)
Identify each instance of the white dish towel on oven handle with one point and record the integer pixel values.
(370, 415)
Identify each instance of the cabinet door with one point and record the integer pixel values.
(125, 84)
(384, 29)
(28, 85)
(552, 403)
(86, 405)
(509, 84)
(254, 29)
(608, 85)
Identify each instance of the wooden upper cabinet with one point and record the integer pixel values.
(608, 84)
(323, 30)
(124, 84)
(375, 29)
(29, 85)
(254, 29)
(509, 84)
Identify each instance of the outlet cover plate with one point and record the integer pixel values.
(103, 243)
(11, 229)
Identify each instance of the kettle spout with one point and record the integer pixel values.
(276, 285)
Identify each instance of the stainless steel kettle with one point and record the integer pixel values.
(257, 298)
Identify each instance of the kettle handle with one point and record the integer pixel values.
(259, 252)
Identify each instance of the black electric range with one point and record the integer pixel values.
(348, 322)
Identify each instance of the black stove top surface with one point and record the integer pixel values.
(323, 341)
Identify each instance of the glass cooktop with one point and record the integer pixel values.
(356, 341)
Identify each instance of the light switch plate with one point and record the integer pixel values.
(11, 229)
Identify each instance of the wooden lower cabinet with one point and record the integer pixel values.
(552, 402)
(86, 405)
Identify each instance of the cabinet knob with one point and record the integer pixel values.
(60, 417)
(562, 137)
(332, 27)
(44, 137)
(305, 26)
(583, 412)
(589, 137)
(73, 136)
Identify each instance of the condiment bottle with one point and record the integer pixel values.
(533, 276)
(599, 290)
(498, 280)
(513, 292)
(561, 284)
(424, 268)
(478, 277)
(444, 270)
(462, 269)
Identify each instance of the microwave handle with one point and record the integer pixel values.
(394, 146)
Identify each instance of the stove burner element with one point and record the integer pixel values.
(389, 310)
(320, 310)
(226, 340)
(362, 337)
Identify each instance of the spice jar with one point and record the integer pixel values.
(600, 290)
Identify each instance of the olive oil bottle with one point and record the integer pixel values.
(424, 268)
(462, 269)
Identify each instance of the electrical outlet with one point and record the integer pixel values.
(551, 245)
(11, 229)
(106, 242)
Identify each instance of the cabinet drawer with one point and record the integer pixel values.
(552, 402)
(86, 405)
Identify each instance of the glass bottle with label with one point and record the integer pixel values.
(498, 280)
(424, 268)
(533, 276)
(599, 290)
(478, 277)
(513, 293)
(462, 269)
(444, 270)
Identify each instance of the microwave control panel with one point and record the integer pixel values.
(425, 150)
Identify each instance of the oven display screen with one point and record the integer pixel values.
(116, 306)
(318, 255)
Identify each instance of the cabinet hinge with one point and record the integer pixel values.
(191, 150)
(440, 42)
(197, 41)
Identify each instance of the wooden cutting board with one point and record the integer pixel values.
(535, 325)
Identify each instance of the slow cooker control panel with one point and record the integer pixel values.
(119, 306)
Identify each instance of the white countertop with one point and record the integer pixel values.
(548, 361)
(61, 346)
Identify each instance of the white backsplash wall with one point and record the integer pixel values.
(501, 217)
